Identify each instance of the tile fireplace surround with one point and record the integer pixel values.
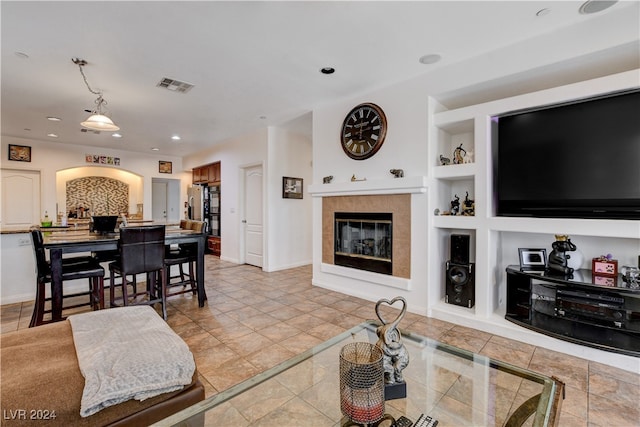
(399, 205)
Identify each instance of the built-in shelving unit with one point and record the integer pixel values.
(471, 127)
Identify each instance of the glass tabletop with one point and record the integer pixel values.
(449, 384)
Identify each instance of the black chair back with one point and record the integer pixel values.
(142, 248)
(41, 259)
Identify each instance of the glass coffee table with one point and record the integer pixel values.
(449, 384)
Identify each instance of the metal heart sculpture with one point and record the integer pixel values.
(390, 303)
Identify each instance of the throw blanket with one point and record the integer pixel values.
(128, 353)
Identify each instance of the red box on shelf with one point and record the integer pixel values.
(604, 267)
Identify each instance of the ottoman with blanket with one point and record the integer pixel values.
(122, 366)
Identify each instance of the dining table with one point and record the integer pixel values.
(68, 241)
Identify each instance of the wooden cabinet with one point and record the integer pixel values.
(207, 174)
(213, 245)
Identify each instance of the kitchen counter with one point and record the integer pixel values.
(80, 225)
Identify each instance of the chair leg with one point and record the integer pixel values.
(112, 289)
(163, 293)
(192, 277)
(38, 308)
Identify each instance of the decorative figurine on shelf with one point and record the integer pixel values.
(397, 173)
(444, 161)
(327, 179)
(558, 258)
(458, 155)
(468, 158)
(468, 206)
(395, 356)
(455, 205)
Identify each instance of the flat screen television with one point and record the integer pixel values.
(575, 160)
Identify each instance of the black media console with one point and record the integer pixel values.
(575, 309)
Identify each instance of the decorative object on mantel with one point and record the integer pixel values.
(19, 153)
(458, 155)
(444, 161)
(327, 179)
(361, 384)
(291, 188)
(558, 258)
(395, 355)
(397, 173)
(354, 179)
(97, 120)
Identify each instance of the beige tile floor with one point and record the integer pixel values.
(254, 320)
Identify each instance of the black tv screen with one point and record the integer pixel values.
(575, 160)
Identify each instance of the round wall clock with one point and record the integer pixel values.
(363, 131)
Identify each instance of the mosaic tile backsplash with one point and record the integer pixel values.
(99, 195)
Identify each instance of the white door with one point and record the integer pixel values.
(253, 216)
(159, 201)
(21, 198)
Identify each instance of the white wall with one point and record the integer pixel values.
(51, 157)
(289, 220)
(17, 269)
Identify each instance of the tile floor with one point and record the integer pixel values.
(254, 320)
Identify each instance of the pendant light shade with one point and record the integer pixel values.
(97, 120)
(100, 122)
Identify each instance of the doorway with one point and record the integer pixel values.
(253, 214)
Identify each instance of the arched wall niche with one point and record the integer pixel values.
(96, 196)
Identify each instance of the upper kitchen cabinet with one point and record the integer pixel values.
(207, 174)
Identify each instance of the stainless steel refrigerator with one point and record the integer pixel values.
(195, 208)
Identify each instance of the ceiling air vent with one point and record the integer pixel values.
(174, 85)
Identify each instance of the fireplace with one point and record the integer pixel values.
(363, 240)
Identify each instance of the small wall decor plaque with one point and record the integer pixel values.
(102, 160)
(291, 188)
(19, 153)
(165, 167)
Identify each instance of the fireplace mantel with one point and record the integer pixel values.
(406, 185)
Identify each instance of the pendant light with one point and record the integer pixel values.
(97, 120)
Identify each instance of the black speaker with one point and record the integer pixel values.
(460, 249)
(460, 284)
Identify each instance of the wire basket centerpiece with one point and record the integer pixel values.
(361, 383)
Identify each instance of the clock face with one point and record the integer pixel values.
(363, 131)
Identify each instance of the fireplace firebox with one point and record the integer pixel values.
(363, 241)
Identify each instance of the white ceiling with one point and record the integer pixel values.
(253, 64)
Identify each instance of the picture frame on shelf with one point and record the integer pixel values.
(532, 260)
(19, 153)
(165, 167)
(292, 188)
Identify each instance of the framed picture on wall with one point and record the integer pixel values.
(165, 167)
(291, 188)
(19, 153)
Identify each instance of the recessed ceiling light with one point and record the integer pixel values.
(430, 59)
(595, 6)
(52, 135)
(155, 149)
(543, 12)
(54, 119)
(176, 137)
(116, 135)
(327, 70)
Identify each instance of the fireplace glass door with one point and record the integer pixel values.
(363, 241)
